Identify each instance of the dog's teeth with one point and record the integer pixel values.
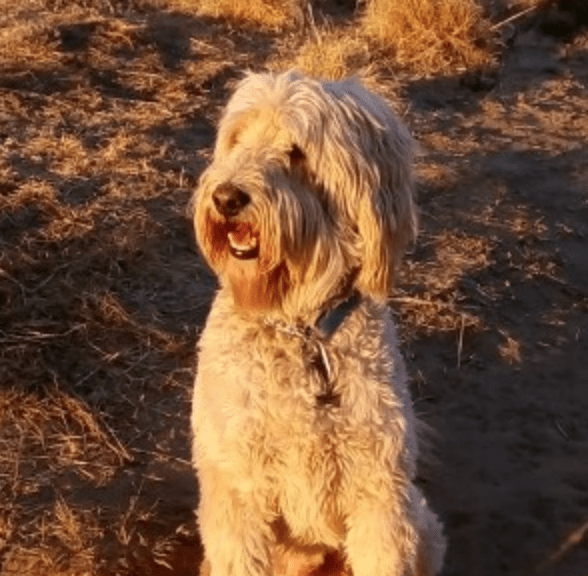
(247, 243)
(243, 246)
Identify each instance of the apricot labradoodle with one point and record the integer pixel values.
(305, 438)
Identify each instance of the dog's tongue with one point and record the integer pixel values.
(242, 236)
(243, 244)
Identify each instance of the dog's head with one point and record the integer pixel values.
(310, 187)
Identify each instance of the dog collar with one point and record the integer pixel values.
(329, 321)
(314, 341)
(326, 325)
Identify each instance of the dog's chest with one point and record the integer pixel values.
(306, 392)
(260, 392)
(260, 373)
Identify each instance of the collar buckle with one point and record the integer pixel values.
(326, 325)
(314, 340)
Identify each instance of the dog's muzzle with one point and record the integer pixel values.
(229, 201)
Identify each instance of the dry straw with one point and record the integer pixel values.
(330, 54)
(269, 14)
(431, 36)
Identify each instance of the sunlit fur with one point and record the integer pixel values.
(287, 485)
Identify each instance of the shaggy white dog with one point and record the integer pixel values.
(305, 439)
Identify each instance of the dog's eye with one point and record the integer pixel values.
(296, 155)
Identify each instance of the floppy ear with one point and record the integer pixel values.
(386, 212)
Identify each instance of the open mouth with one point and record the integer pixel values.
(243, 243)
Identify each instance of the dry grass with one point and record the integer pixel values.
(67, 546)
(431, 36)
(523, 4)
(510, 350)
(44, 439)
(431, 304)
(55, 431)
(268, 14)
(331, 54)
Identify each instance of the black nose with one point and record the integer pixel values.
(230, 200)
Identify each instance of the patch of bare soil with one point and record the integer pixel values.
(107, 116)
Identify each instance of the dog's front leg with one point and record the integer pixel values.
(381, 538)
(235, 531)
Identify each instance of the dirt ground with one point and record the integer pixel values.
(107, 117)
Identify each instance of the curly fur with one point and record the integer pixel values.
(288, 486)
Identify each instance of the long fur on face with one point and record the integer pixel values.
(328, 169)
